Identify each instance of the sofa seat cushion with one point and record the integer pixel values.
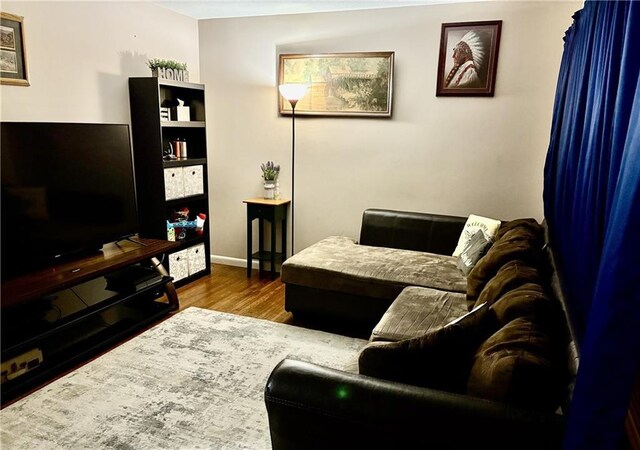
(417, 311)
(339, 264)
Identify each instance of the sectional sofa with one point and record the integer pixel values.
(343, 280)
(453, 361)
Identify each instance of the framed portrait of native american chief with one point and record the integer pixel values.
(468, 58)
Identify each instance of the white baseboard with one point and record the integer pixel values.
(236, 262)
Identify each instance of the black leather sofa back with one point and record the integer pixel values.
(423, 232)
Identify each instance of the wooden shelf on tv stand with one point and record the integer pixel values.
(112, 257)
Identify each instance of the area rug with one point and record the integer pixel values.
(194, 381)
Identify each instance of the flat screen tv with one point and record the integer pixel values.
(67, 189)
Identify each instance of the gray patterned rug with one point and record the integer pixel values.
(194, 381)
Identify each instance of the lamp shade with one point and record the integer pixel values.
(293, 91)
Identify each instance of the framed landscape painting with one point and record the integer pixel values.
(468, 58)
(13, 62)
(340, 84)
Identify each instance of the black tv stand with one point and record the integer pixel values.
(60, 316)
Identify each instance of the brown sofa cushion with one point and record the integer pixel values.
(519, 239)
(519, 365)
(510, 276)
(531, 225)
(525, 300)
(440, 359)
(532, 300)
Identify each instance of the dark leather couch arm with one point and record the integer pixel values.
(313, 407)
(423, 232)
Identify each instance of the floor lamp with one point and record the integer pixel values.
(292, 93)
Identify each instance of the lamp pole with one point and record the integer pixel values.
(293, 172)
(293, 92)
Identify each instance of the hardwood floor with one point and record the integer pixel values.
(229, 290)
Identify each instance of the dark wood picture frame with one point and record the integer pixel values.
(468, 58)
(13, 58)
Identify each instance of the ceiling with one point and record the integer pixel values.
(215, 9)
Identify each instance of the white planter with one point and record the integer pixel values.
(269, 189)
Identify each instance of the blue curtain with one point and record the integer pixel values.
(592, 206)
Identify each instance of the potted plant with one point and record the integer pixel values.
(270, 172)
(168, 69)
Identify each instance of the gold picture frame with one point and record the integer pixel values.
(340, 84)
(13, 59)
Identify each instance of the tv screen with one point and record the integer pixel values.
(67, 188)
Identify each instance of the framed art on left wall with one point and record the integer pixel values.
(13, 60)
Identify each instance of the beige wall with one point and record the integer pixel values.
(80, 55)
(441, 155)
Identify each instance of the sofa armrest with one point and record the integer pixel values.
(314, 407)
(423, 232)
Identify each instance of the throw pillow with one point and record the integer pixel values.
(519, 365)
(439, 359)
(474, 224)
(473, 251)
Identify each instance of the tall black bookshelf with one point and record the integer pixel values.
(172, 189)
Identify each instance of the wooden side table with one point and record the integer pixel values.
(273, 211)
